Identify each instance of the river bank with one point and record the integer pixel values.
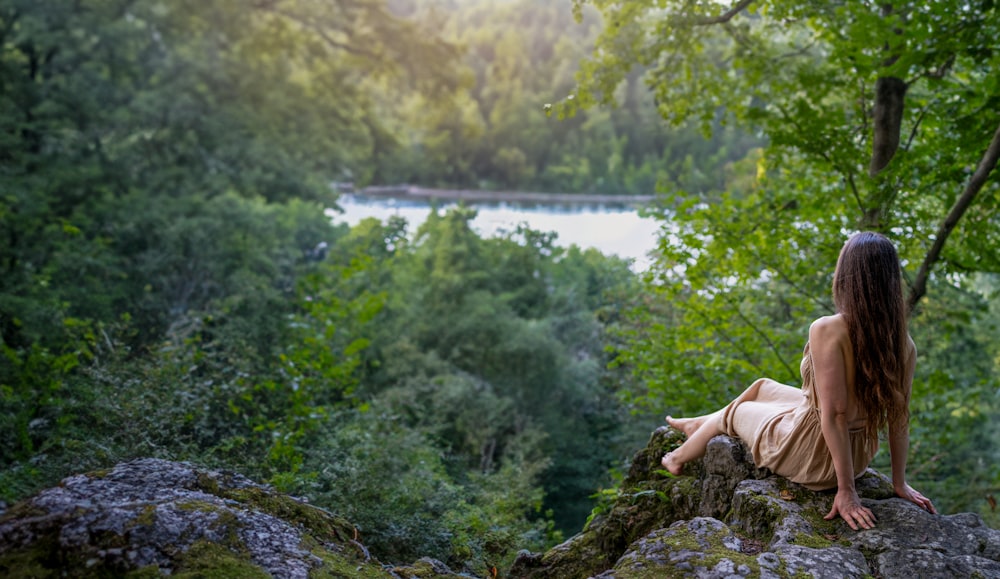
(610, 227)
(475, 196)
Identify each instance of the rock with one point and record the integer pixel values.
(726, 463)
(153, 517)
(728, 519)
(701, 547)
(425, 567)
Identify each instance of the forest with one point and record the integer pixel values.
(172, 284)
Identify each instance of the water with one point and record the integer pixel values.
(610, 228)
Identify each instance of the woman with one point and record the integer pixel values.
(857, 373)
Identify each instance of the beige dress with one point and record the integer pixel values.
(781, 426)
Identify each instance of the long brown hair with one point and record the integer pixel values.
(868, 293)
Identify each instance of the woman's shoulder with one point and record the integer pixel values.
(829, 327)
(830, 334)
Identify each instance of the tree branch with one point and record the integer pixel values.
(939, 72)
(743, 352)
(317, 28)
(737, 241)
(854, 191)
(976, 182)
(767, 339)
(725, 16)
(916, 125)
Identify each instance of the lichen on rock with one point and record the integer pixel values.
(727, 518)
(150, 517)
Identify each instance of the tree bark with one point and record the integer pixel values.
(888, 111)
(725, 16)
(889, 94)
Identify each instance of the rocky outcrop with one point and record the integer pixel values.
(728, 519)
(149, 518)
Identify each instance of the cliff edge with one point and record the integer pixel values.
(728, 519)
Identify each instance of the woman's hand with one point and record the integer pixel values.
(848, 505)
(907, 492)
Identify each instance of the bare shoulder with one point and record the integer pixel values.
(829, 330)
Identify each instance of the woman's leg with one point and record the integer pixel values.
(690, 425)
(700, 430)
(694, 447)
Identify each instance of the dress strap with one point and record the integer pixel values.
(808, 378)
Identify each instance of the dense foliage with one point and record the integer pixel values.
(493, 132)
(173, 287)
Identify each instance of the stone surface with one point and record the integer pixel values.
(725, 519)
(151, 517)
(728, 519)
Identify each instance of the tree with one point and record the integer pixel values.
(131, 103)
(165, 171)
(876, 116)
(889, 106)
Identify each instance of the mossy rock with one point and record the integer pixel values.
(646, 500)
(150, 517)
(697, 547)
(728, 518)
(425, 568)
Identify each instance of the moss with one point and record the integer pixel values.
(647, 461)
(147, 572)
(638, 509)
(35, 562)
(205, 559)
(578, 557)
(711, 551)
(822, 528)
(418, 570)
(44, 558)
(99, 473)
(321, 524)
(321, 527)
(226, 521)
(146, 518)
(336, 565)
(208, 484)
(197, 505)
(811, 541)
(759, 516)
(23, 510)
(717, 552)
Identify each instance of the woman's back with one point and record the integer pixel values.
(833, 329)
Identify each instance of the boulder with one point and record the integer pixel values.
(726, 518)
(150, 517)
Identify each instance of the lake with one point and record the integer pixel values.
(613, 229)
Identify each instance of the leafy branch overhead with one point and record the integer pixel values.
(883, 110)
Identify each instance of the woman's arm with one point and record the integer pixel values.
(828, 340)
(899, 443)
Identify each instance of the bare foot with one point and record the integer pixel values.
(670, 463)
(686, 425)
